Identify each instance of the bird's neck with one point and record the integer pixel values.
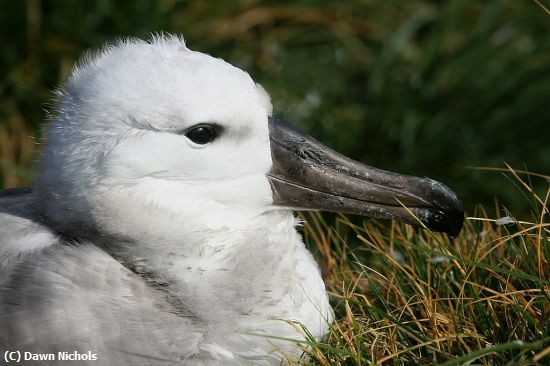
(243, 270)
(240, 279)
(237, 281)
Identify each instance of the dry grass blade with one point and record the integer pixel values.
(412, 297)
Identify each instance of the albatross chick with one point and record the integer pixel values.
(160, 229)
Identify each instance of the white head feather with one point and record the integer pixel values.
(120, 129)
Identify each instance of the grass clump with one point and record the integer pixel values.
(404, 296)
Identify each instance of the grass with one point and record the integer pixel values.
(16, 152)
(404, 296)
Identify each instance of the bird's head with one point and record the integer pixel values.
(152, 126)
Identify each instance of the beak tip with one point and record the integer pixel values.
(449, 215)
(455, 215)
(456, 222)
(448, 221)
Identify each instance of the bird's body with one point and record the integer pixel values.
(64, 295)
(160, 229)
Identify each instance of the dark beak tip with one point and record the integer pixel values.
(447, 221)
(449, 217)
(444, 197)
(456, 222)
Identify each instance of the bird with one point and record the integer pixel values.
(161, 227)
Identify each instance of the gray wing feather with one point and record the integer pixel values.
(62, 297)
(21, 230)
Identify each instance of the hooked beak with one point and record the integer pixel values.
(307, 175)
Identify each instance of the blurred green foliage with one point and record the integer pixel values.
(420, 87)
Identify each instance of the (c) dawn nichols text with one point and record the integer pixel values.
(18, 356)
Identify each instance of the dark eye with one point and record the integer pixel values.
(201, 134)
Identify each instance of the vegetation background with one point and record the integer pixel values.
(422, 87)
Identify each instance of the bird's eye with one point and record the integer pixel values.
(201, 134)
